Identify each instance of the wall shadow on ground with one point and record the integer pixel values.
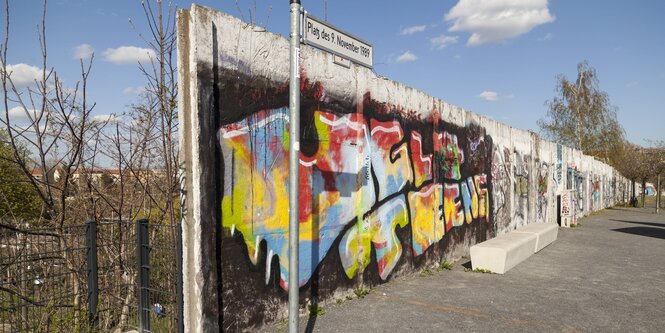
(661, 225)
(644, 231)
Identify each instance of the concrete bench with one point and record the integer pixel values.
(545, 233)
(504, 252)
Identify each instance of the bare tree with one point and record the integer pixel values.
(155, 135)
(654, 166)
(67, 147)
(581, 116)
(58, 118)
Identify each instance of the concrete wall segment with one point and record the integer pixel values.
(394, 180)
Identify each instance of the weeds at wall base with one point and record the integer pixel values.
(426, 272)
(282, 326)
(315, 310)
(447, 265)
(361, 292)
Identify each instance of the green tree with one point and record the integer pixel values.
(18, 199)
(582, 117)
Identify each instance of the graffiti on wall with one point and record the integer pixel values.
(608, 191)
(501, 187)
(566, 204)
(594, 192)
(521, 188)
(559, 167)
(542, 191)
(383, 190)
(363, 176)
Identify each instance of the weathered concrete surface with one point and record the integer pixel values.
(392, 180)
(545, 233)
(504, 252)
(606, 276)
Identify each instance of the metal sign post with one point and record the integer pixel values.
(294, 163)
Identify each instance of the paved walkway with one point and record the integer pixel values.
(608, 275)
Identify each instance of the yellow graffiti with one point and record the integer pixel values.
(427, 227)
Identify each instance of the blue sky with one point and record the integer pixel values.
(498, 58)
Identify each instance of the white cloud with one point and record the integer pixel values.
(128, 55)
(442, 41)
(548, 36)
(83, 51)
(491, 21)
(19, 114)
(23, 75)
(133, 90)
(414, 29)
(493, 96)
(489, 96)
(632, 84)
(29, 129)
(406, 57)
(106, 118)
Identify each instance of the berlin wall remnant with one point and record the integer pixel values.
(391, 180)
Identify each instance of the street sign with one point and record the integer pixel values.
(323, 35)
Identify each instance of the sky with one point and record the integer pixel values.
(498, 58)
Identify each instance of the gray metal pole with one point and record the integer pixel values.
(143, 272)
(179, 296)
(294, 163)
(93, 274)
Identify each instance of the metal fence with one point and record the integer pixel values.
(98, 276)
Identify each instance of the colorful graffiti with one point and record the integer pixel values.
(566, 204)
(388, 185)
(522, 188)
(559, 167)
(364, 176)
(594, 192)
(542, 189)
(502, 187)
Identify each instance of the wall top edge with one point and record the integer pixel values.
(352, 84)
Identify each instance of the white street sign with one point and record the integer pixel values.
(321, 34)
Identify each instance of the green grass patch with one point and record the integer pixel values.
(282, 326)
(426, 272)
(315, 310)
(447, 265)
(478, 270)
(361, 292)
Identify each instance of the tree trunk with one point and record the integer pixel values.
(644, 192)
(633, 197)
(129, 297)
(65, 249)
(658, 194)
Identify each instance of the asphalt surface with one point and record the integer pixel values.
(608, 275)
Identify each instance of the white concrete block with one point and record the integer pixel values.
(546, 233)
(504, 252)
